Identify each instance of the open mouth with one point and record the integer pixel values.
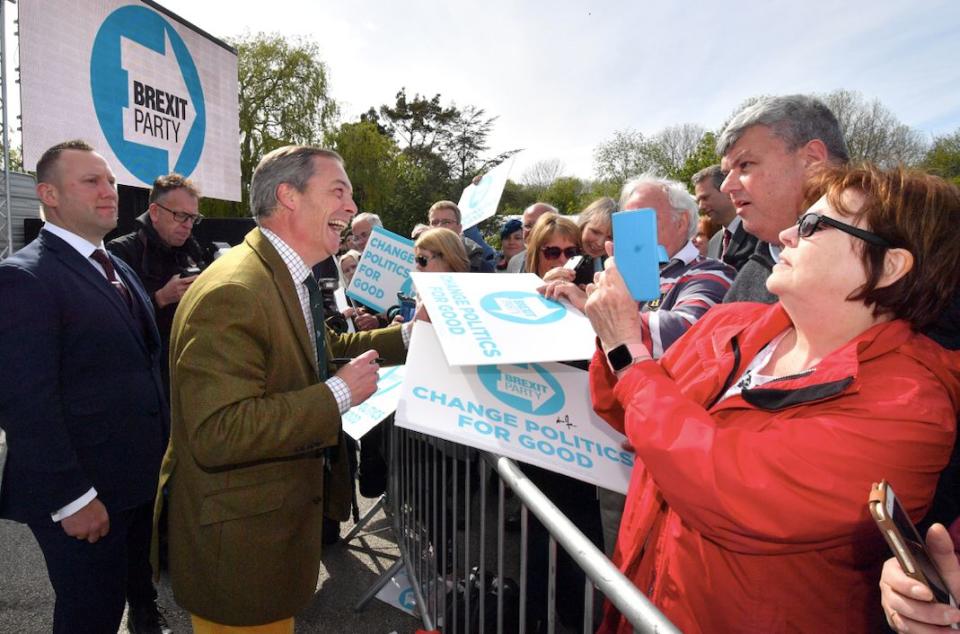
(337, 225)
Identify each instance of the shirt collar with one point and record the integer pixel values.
(81, 245)
(295, 264)
(734, 224)
(687, 254)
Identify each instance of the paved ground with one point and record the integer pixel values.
(26, 598)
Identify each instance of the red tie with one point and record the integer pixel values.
(100, 257)
(726, 242)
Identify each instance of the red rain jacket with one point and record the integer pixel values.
(750, 515)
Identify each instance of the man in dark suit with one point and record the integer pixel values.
(81, 400)
(733, 245)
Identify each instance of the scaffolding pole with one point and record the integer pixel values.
(6, 212)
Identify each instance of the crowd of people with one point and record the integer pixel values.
(803, 346)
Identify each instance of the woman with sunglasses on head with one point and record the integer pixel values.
(759, 433)
(554, 239)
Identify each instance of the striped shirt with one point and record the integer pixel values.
(689, 285)
(299, 271)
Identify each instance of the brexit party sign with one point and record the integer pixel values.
(360, 419)
(383, 270)
(484, 319)
(150, 92)
(538, 413)
(479, 200)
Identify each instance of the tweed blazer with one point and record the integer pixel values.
(247, 483)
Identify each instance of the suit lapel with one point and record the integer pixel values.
(75, 262)
(288, 293)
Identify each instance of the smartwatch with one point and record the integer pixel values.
(620, 357)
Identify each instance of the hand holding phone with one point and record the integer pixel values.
(905, 542)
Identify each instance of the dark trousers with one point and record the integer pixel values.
(91, 581)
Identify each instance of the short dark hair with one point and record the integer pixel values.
(171, 182)
(911, 210)
(714, 173)
(47, 165)
(291, 164)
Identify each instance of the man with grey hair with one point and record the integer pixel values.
(769, 150)
(733, 245)
(530, 216)
(360, 228)
(257, 457)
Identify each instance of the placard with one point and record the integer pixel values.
(383, 270)
(482, 319)
(479, 201)
(535, 413)
(152, 93)
(360, 419)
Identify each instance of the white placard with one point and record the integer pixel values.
(479, 202)
(482, 319)
(152, 93)
(383, 270)
(340, 296)
(363, 417)
(534, 413)
(398, 592)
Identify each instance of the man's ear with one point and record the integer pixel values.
(896, 264)
(287, 195)
(154, 212)
(814, 152)
(47, 194)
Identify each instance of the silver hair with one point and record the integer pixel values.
(797, 119)
(291, 164)
(600, 208)
(714, 173)
(680, 200)
(372, 218)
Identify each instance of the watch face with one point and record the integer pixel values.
(620, 357)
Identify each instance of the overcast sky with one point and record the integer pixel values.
(563, 75)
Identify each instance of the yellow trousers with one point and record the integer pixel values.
(203, 626)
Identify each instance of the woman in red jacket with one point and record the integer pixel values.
(759, 433)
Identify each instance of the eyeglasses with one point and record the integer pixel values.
(552, 253)
(423, 260)
(442, 222)
(181, 216)
(810, 223)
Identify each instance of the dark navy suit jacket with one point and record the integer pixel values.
(81, 398)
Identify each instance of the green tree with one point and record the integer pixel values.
(284, 97)
(372, 162)
(566, 194)
(704, 155)
(943, 158)
(627, 154)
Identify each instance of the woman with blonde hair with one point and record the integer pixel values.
(440, 250)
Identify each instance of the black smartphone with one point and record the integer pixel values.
(905, 542)
(190, 271)
(582, 266)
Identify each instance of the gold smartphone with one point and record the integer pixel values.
(905, 541)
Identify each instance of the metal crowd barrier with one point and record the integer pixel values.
(437, 501)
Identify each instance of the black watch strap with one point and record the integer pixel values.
(620, 357)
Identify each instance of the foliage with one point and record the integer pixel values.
(943, 158)
(284, 97)
(541, 174)
(704, 155)
(873, 133)
(371, 159)
(629, 153)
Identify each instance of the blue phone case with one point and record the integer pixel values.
(637, 253)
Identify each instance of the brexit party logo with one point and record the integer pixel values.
(147, 94)
(522, 307)
(528, 388)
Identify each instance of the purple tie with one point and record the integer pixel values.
(100, 257)
(726, 241)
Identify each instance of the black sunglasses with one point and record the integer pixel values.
(552, 253)
(422, 260)
(810, 223)
(182, 216)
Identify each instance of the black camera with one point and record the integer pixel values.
(335, 320)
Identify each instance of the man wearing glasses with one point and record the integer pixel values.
(163, 252)
(446, 214)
